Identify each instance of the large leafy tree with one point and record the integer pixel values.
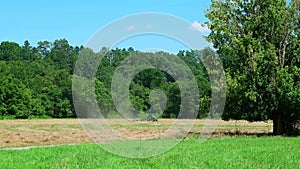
(258, 41)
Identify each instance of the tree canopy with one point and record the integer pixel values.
(258, 42)
(37, 81)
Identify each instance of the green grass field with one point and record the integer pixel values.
(251, 152)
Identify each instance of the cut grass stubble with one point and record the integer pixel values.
(16, 133)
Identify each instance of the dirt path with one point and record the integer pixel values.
(20, 133)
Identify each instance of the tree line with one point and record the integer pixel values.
(36, 81)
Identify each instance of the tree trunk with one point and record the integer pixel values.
(278, 123)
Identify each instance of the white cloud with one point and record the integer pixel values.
(196, 26)
(130, 27)
(148, 27)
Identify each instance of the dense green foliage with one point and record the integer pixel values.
(37, 81)
(215, 153)
(258, 42)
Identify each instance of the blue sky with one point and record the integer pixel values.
(77, 21)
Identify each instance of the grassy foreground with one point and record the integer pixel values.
(264, 152)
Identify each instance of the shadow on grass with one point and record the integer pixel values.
(236, 133)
